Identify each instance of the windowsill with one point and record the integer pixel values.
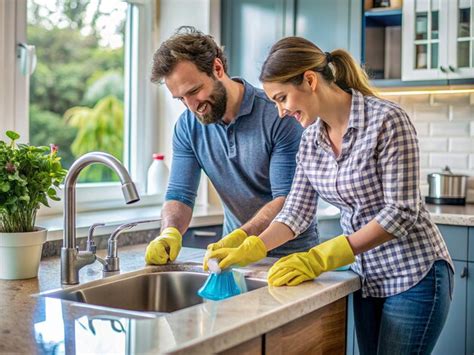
(202, 216)
(113, 217)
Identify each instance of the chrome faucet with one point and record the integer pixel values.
(72, 260)
(112, 262)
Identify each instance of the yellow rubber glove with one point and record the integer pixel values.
(298, 267)
(251, 250)
(231, 240)
(164, 247)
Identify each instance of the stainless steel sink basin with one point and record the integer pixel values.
(155, 292)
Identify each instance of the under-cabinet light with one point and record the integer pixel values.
(425, 92)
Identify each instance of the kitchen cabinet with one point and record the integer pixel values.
(381, 39)
(330, 24)
(251, 347)
(252, 27)
(201, 237)
(249, 30)
(437, 40)
(454, 337)
(319, 332)
(470, 307)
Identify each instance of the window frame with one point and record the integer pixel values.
(139, 103)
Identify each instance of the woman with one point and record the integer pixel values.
(359, 153)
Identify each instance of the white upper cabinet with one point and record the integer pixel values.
(460, 39)
(438, 40)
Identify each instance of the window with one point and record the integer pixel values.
(77, 91)
(90, 90)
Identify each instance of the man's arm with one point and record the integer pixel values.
(176, 214)
(262, 219)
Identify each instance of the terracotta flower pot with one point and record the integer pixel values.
(20, 254)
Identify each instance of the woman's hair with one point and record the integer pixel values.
(186, 44)
(290, 57)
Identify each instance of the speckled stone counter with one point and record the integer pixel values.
(453, 215)
(44, 325)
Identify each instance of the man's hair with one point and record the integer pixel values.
(187, 43)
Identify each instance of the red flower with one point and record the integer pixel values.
(54, 148)
(10, 167)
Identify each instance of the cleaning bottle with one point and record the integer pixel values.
(157, 177)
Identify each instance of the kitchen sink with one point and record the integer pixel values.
(151, 292)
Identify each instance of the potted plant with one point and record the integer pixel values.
(29, 175)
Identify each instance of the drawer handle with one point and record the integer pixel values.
(204, 234)
(464, 272)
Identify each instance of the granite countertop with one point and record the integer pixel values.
(453, 215)
(35, 324)
(440, 214)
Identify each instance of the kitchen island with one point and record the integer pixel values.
(264, 319)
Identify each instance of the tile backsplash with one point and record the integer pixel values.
(445, 127)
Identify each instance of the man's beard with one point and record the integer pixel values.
(217, 105)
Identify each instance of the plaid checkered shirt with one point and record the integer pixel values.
(376, 176)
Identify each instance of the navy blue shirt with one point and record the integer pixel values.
(250, 162)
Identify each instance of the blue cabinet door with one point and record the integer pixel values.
(331, 24)
(249, 29)
(453, 337)
(470, 306)
(456, 239)
(470, 256)
(352, 348)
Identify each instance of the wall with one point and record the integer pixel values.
(445, 127)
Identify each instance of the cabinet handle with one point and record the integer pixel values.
(443, 69)
(453, 69)
(204, 234)
(464, 272)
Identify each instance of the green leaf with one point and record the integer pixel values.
(51, 192)
(12, 135)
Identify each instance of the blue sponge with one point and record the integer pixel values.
(220, 286)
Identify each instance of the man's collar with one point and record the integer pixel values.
(248, 98)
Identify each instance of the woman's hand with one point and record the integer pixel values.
(251, 250)
(293, 269)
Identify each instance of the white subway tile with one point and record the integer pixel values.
(422, 128)
(470, 180)
(470, 196)
(451, 99)
(449, 129)
(424, 190)
(468, 172)
(424, 160)
(454, 161)
(428, 145)
(431, 113)
(407, 100)
(462, 113)
(461, 145)
(393, 98)
(424, 175)
(471, 161)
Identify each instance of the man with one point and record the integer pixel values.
(232, 131)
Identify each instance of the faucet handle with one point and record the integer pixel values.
(90, 237)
